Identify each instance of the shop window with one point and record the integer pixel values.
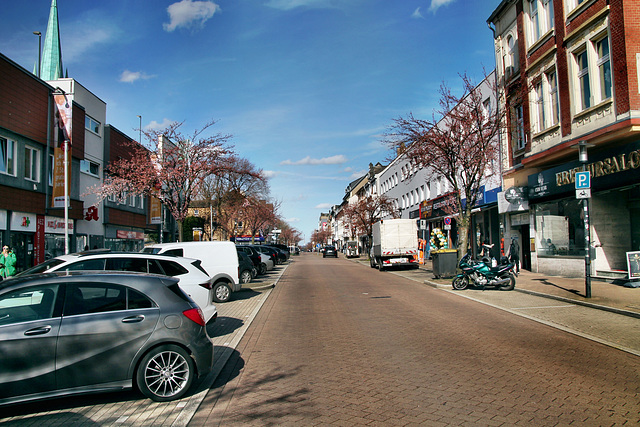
(560, 228)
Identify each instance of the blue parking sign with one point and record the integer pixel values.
(583, 180)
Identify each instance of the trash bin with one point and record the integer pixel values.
(445, 262)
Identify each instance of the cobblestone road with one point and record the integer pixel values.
(339, 344)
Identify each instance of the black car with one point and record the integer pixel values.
(329, 251)
(80, 332)
(253, 255)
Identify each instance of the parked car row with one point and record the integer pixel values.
(102, 320)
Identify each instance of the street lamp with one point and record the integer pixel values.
(582, 147)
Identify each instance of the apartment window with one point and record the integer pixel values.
(510, 57)
(51, 163)
(89, 167)
(31, 164)
(7, 156)
(582, 61)
(604, 67)
(554, 99)
(539, 110)
(92, 124)
(592, 63)
(141, 202)
(540, 19)
(519, 135)
(132, 200)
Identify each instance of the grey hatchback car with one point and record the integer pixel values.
(73, 333)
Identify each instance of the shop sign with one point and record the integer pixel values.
(438, 207)
(21, 221)
(611, 169)
(513, 199)
(55, 225)
(129, 235)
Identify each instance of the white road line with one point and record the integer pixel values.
(544, 306)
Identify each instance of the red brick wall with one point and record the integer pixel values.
(23, 102)
(77, 131)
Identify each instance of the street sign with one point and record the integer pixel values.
(447, 220)
(583, 180)
(583, 194)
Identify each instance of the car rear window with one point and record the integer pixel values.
(172, 268)
(41, 268)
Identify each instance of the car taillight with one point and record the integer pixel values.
(206, 285)
(195, 314)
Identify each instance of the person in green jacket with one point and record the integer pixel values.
(7, 262)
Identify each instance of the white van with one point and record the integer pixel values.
(219, 259)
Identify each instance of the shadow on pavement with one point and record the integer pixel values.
(223, 326)
(548, 283)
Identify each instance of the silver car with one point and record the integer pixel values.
(79, 332)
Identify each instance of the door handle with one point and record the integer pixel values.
(38, 331)
(133, 319)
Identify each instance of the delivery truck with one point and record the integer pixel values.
(395, 244)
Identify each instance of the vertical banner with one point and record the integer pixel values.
(39, 240)
(155, 211)
(62, 141)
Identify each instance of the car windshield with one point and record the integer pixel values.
(42, 268)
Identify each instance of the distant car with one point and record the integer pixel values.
(329, 251)
(84, 332)
(194, 280)
(246, 268)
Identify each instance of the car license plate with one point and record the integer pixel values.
(398, 260)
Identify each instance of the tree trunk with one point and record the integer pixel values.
(463, 232)
(180, 231)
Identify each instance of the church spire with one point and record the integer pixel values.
(51, 68)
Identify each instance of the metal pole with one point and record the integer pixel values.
(65, 146)
(587, 248)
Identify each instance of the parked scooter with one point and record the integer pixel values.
(480, 274)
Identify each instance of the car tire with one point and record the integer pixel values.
(165, 373)
(245, 276)
(263, 268)
(221, 292)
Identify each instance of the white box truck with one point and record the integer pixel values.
(395, 244)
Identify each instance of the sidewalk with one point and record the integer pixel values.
(604, 295)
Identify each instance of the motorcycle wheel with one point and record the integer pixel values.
(510, 284)
(460, 283)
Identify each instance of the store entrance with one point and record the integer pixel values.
(22, 246)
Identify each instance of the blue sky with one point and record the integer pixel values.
(306, 87)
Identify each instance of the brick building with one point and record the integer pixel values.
(568, 73)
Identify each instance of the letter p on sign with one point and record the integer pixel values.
(583, 180)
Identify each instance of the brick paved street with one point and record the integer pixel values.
(340, 344)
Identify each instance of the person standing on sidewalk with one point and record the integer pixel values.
(7, 262)
(514, 253)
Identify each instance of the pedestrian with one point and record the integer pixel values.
(7, 262)
(514, 253)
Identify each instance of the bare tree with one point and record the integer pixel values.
(360, 216)
(171, 170)
(459, 143)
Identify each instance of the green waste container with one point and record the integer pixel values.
(445, 262)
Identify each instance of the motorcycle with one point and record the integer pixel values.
(480, 274)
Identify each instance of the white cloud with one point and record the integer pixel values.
(292, 220)
(131, 76)
(416, 13)
(190, 14)
(270, 174)
(333, 160)
(159, 126)
(323, 206)
(435, 4)
(292, 4)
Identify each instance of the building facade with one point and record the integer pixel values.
(569, 73)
